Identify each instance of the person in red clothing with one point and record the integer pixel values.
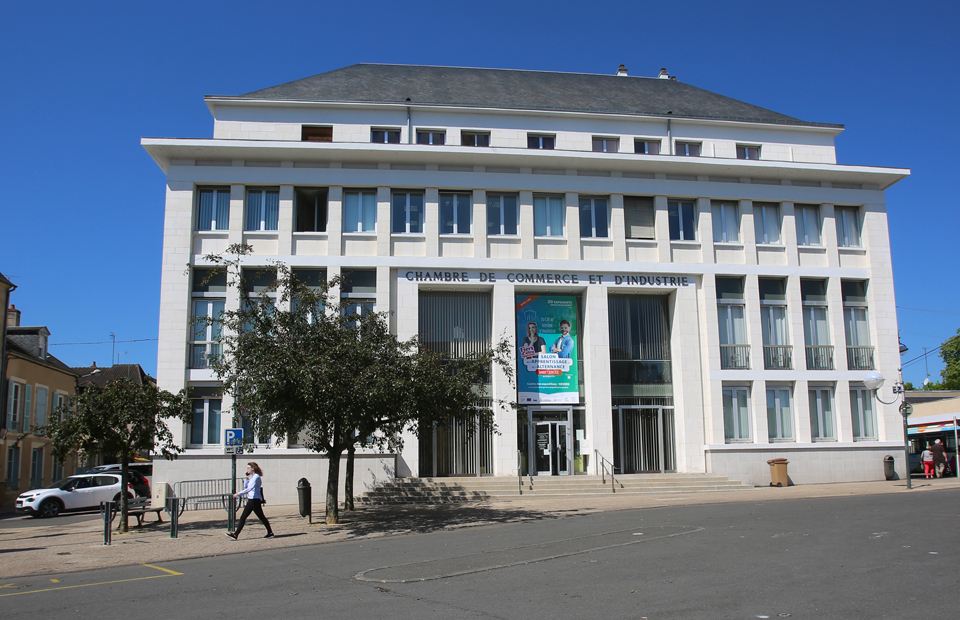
(927, 457)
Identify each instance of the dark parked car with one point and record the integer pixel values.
(139, 482)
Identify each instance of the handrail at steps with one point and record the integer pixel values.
(519, 472)
(601, 469)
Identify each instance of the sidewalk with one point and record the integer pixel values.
(59, 548)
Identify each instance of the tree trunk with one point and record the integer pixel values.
(333, 485)
(124, 506)
(348, 484)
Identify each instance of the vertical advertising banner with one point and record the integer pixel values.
(548, 346)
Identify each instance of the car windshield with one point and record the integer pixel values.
(61, 484)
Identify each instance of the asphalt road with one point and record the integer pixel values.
(14, 520)
(880, 556)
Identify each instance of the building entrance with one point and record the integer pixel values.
(644, 440)
(550, 445)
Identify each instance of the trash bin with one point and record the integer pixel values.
(778, 472)
(305, 492)
(888, 471)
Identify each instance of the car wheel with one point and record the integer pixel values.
(49, 508)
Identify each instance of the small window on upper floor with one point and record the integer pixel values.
(746, 151)
(766, 220)
(726, 222)
(431, 136)
(639, 217)
(548, 216)
(688, 149)
(594, 217)
(808, 224)
(310, 207)
(646, 147)
(407, 212)
(316, 133)
(359, 211)
(540, 141)
(474, 138)
(385, 136)
(213, 209)
(456, 213)
(606, 145)
(848, 227)
(263, 209)
(502, 214)
(682, 219)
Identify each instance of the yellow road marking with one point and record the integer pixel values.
(166, 570)
(169, 572)
(55, 580)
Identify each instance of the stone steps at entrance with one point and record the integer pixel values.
(477, 489)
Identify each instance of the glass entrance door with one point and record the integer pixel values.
(550, 446)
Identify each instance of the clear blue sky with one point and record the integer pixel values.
(82, 82)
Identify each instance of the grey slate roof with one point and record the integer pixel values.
(13, 346)
(521, 90)
(133, 372)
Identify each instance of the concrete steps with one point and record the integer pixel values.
(477, 489)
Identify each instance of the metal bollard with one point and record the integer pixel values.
(231, 513)
(173, 508)
(108, 511)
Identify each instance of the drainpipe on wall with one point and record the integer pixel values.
(3, 360)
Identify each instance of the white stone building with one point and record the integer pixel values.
(730, 283)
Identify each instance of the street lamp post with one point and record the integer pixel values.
(874, 381)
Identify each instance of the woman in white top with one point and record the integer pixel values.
(253, 489)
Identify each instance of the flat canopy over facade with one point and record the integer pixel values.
(519, 90)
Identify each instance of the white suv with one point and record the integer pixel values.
(83, 492)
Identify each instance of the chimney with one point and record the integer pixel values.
(94, 365)
(622, 71)
(13, 317)
(663, 74)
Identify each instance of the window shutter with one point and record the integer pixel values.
(27, 409)
(639, 217)
(10, 412)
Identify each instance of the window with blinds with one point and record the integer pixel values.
(639, 346)
(455, 324)
(639, 217)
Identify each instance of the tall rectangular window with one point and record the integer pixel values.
(407, 212)
(358, 293)
(736, 415)
(682, 220)
(542, 142)
(502, 214)
(205, 427)
(779, 416)
(646, 147)
(766, 221)
(639, 217)
(777, 352)
(310, 208)
(209, 290)
(14, 404)
(606, 145)
(213, 209)
(861, 409)
(385, 136)
(456, 214)
(848, 227)
(726, 222)
(808, 224)
(548, 216)
(816, 328)
(594, 217)
(822, 426)
(359, 211)
(263, 209)
(474, 138)
(57, 472)
(688, 149)
(431, 136)
(856, 326)
(734, 351)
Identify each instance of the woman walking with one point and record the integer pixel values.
(253, 489)
(927, 458)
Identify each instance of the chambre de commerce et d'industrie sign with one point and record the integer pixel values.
(551, 277)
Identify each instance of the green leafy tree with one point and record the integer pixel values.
(950, 354)
(297, 364)
(122, 418)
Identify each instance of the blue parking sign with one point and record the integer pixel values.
(233, 436)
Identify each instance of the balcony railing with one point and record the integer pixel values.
(777, 357)
(860, 358)
(735, 356)
(820, 357)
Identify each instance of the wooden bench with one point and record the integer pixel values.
(139, 506)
